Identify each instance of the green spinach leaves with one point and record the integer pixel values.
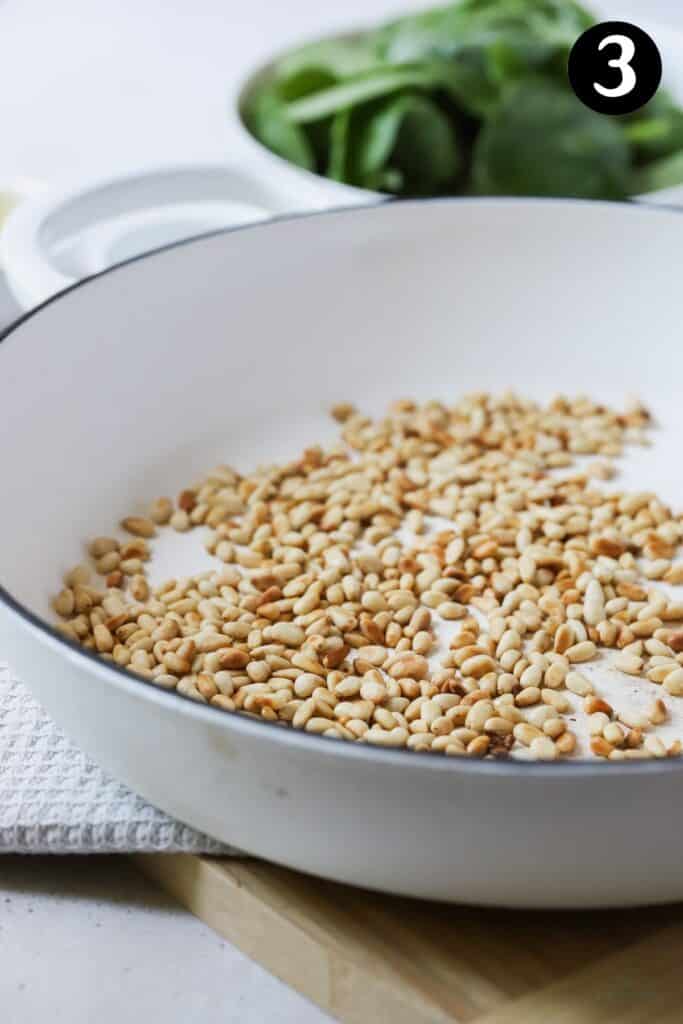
(469, 98)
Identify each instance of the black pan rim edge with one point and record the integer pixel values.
(506, 767)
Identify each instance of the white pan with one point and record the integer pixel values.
(230, 348)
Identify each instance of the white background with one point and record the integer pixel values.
(91, 88)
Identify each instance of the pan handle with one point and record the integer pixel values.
(56, 238)
(51, 239)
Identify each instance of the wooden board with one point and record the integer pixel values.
(366, 958)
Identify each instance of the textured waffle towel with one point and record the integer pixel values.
(54, 800)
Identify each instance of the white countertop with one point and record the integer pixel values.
(88, 88)
(88, 939)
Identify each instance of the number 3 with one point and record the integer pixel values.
(623, 62)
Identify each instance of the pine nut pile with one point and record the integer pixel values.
(333, 573)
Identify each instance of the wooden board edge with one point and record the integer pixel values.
(314, 967)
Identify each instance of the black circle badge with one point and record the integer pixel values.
(615, 67)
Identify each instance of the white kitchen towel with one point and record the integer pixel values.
(53, 799)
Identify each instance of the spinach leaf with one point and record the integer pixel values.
(542, 141)
(403, 143)
(337, 168)
(412, 136)
(471, 78)
(303, 83)
(337, 58)
(266, 117)
(360, 90)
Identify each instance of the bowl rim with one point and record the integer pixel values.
(138, 686)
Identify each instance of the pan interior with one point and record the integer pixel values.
(232, 347)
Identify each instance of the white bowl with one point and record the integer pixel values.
(333, 193)
(231, 347)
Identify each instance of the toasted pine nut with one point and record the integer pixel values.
(140, 526)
